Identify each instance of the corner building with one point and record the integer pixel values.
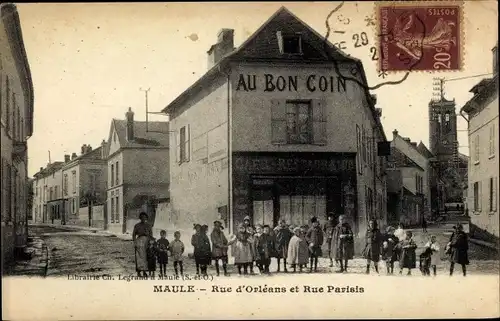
(272, 131)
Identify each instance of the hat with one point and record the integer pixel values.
(247, 218)
(195, 226)
(241, 225)
(389, 229)
(314, 220)
(297, 229)
(143, 214)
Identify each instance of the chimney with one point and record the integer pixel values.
(73, 156)
(41, 169)
(66, 158)
(378, 112)
(395, 133)
(495, 59)
(374, 98)
(224, 45)
(84, 149)
(103, 149)
(89, 148)
(130, 124)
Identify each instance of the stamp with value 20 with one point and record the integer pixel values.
(420, 36)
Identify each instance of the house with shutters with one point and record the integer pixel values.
(272, 130)
(137, 171)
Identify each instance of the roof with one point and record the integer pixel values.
(424, 150)
(51, 168)
(482, 91)
(156, 136)
(94, 154)
(316, 48)
(10, 19)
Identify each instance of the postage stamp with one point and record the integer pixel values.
(420, 36)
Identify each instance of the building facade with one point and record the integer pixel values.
(409, 176)
(482, 192)
(83, 183)
(267, 133)
(16, 108)
(138, 170)
(47, 197)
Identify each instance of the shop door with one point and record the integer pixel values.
(263, 207)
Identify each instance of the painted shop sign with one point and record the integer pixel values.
(271, 83)
(279, 164)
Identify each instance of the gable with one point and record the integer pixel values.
(264, 43)
(113, 140)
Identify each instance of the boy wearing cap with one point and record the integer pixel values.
(219, 247)
(315, 239)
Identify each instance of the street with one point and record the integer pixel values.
(85, 253)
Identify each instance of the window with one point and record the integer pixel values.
(184, 144)
(363, 144)
(447, 117)
(477, 196)
(56, 196)
(51, 194)
(476, 149)
(299, 125)
(493, 194)
(296, 209)
(65, 185)
(492, 140)
(73, 205)
(118, 212)
(117, 176)
(14, 118)
(112, 209)
(289, 43)
(92, 182)
(111, 183)
(73, 174)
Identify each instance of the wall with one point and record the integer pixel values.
(486, 167)
(113, 189)
(200, 186)
(13, 219)
(83, 217)
(73, 189)
(342, 111)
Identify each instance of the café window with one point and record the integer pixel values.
(289, 43)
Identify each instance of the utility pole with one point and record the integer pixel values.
(146, 91)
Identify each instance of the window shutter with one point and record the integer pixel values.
(479, 201)
(495, 191)
(188, 143)
(358, 153)
(278, 122)
(177, 148)
(319, 122)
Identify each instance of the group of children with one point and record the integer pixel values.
(296, 246)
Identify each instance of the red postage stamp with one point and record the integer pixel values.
(425, 36)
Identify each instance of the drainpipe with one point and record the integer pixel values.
(229, 150)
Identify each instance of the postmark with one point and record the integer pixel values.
(420, 36)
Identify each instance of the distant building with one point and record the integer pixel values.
(483, 198)
(16, 115)
(83, 182)
(47, 187)
(448, 166)
(138, 170)
(409, 193)
(272, 131)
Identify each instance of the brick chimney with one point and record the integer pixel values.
(495, 59)
(104, 152)
(89, 148)
(84, 149)
(73, 156)
(395, 133)
(130, 124)
(224, 45)
(66, 158)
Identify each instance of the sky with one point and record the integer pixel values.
(89, 63)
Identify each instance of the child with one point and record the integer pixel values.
(219, 243)
(194, 241)
(389, 253)
(202, 250)
(298, 250)
(151, 255)
(265, 247)
(177, 249)
(251, 240)
(315, 239)
(163, 252)
(435, 255)
(242, 249)
(408, 257)
(283, 236)
(425, 262)
(373, 240)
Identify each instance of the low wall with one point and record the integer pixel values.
(82, 218)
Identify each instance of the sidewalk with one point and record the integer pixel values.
(93, 230)
(36, 266)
